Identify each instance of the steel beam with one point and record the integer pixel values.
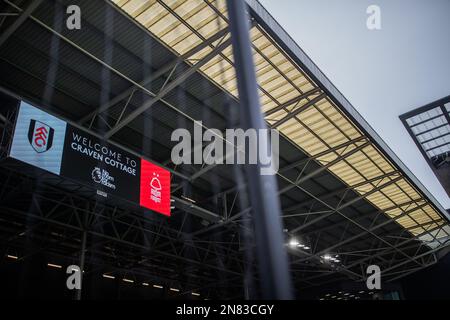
(323, 168)
(19, 21)
(293, 101)
(360, 197)
(350, 239)
(298, 110)
(334, 193)
(387, 251)
(323, 153)
(157, 74)
(338, 210)
(169, 87)
(360, 217)
(136, 84)
(86, 211)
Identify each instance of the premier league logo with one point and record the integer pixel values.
(40, 136)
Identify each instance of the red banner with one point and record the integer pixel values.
(155, 188)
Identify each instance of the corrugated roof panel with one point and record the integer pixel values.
(316, 129)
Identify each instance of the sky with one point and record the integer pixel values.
(383, 73)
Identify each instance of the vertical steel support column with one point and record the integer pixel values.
(272, 257)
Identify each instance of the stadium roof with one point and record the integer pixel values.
(293, 103)
(142, 68)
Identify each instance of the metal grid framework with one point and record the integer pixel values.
(292, 103)
(429, 126)
(155, 251)
(340, 193)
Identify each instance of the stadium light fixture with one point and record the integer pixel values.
(293, 243)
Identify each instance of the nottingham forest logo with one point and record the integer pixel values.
(40, 136)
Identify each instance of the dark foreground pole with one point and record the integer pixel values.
(83, 255)
(82, 262)
(272, 257)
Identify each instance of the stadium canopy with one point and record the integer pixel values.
(142, 68)
(292, 102)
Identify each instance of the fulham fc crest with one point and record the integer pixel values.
(40, 136)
